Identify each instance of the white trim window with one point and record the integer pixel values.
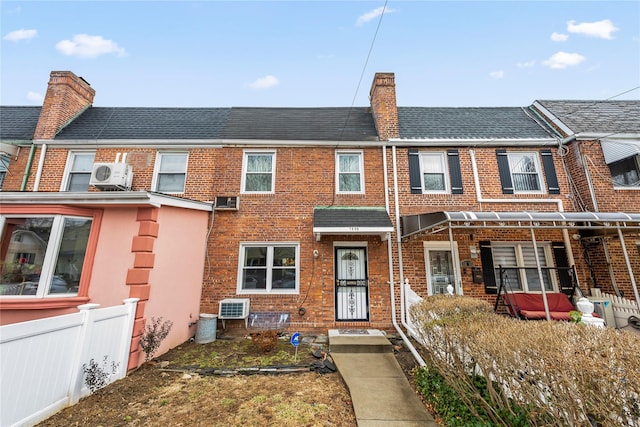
(349, 172)
(625, 173)
(258, 172)
(170, 172)
(4, 166)
(518, 261)
(433, 172)
(525, 172)
(269, 268)
(78, 171)
(44, 255)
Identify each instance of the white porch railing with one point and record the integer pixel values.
(41, 360)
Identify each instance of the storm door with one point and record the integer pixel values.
(352, 284)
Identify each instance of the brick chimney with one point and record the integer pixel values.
(383, 104)
(67, 96)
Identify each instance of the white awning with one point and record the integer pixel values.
(618, 150)
(437, 221)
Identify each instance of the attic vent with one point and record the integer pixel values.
(226, 202)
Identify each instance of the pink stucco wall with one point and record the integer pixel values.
(176, 279)
(113, 257)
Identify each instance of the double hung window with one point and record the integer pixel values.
(349, 172)
(258, 172)
(269, 268)
(519, 268)
(525, 172)
(171, 172)
(522, 172)
(79, 168)
(43, 255)
(434, 172)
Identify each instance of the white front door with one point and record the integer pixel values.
(352, 284)
(440, 267)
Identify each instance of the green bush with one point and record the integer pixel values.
(545, 372)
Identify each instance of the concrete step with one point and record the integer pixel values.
(358, 341)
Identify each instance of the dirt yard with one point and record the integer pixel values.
(185, 388)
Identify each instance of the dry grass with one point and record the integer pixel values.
(565, 373)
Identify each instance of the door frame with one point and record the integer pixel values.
(439, 245)
(354, 245)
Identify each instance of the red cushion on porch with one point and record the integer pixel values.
(531, 306)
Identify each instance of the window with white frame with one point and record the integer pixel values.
(258, 172)
(525, 172)
(626, 172)
(79, 167)
(4, 167)
(43, 255)
(269, 268)
(349, 172)
(171, 172)
(433, 170)
(519, 268)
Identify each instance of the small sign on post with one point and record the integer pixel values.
(295, 341)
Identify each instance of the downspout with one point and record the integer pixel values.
(392, 292)
(399, 239)
(558, 202)
(27, 169)
(43, 152)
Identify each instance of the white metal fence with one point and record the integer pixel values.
(41, 361)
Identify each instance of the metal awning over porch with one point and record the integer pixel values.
(340, 220)
(437, 221)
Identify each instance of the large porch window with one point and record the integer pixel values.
(42, 255)
(520, 272)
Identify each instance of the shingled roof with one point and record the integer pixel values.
(131, 123)
(320, 124)
(18, 123)
(468, 123)
(596, 116)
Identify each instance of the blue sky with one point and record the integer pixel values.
(322, 53)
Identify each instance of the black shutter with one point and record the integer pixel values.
(562, 262)
(455, 175)
(415, 180)
(505, 172)
(488, 272)
(550, 172)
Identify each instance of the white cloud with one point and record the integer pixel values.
(373, 14)
(18, 35)
(87, 46)
(265, 82)
(562, 60)
(559, 37)
(496, 74)
(527, 64)
(35, 96)
(600, 29)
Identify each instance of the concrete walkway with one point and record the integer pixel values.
(380, 391)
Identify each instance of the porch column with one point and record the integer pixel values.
(626, 259)
(544, 291)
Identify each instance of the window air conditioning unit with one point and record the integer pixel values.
(604, 308)
(111, 176)
(226, 202)
(234, 308)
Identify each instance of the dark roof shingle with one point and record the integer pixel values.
(468, 123)
(18, 123)
(597, 116)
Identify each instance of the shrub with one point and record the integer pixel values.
(96, 376)
(562, 373)
(154, 333)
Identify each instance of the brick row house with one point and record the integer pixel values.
(316, 213)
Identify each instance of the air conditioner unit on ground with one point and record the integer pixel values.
(226, 202)
(234, 308)
(111, 176)
(604, 308)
